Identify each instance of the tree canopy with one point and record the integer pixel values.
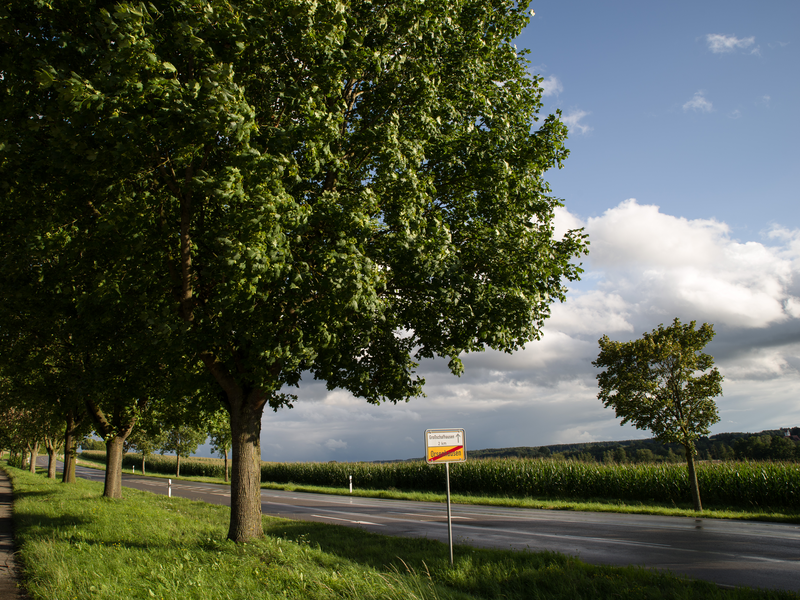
(268, 189)
(664, 383)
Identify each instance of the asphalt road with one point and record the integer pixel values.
(734, 553)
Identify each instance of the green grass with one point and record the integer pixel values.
(75, 545)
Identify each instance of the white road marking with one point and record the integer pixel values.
(348, 520)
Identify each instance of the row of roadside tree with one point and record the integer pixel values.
(24, 437)
(204, 202)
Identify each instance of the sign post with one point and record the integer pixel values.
(446, 446)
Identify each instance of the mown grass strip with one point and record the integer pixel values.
(76, 545)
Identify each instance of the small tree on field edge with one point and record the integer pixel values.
(653, 382)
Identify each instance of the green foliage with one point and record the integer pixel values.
(93, 444)
(652, 382)
(322, 176)
(164, 465)
(270, 189)
(767, 447)
(219, 430)
(143, 442)
(183, 440)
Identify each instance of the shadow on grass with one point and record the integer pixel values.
(361, 546)
(60, 523)
(491, 573)
(23, 494)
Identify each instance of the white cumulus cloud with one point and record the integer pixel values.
(551, 86)
(661, 264)
(573, 120)
(698, 103)
(721, 44)
(335, 444)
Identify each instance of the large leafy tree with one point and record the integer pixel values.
(338, 188)
(665, 383)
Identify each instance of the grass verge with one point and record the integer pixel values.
(75, 545)
(547, 504)
(599, 505)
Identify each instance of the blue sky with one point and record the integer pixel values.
(685, 171)
(689, 106)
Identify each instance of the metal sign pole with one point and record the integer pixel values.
(449, 515)
(443, 446)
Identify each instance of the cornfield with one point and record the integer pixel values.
(729, 483)
(751, 484)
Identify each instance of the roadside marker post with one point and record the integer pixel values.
(351, 484)
(446, 446)
(169, 490)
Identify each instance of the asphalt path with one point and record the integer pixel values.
(730, 553)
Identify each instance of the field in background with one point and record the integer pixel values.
(751, 485)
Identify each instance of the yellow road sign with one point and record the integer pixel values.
(445, 446)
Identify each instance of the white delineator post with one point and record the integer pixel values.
(351, 484)
(169, 490)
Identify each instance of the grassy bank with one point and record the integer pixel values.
(75, 545)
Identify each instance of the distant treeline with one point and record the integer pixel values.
(766, 445)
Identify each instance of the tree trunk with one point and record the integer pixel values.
(115, 431)
(51, 462)
(245, 521)
(34, 450)
(143, 459)
(245, 406)
(113, 482)
(70, 459)
(178, 465)
(53, 445)
(70, 449)
(698, 506)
